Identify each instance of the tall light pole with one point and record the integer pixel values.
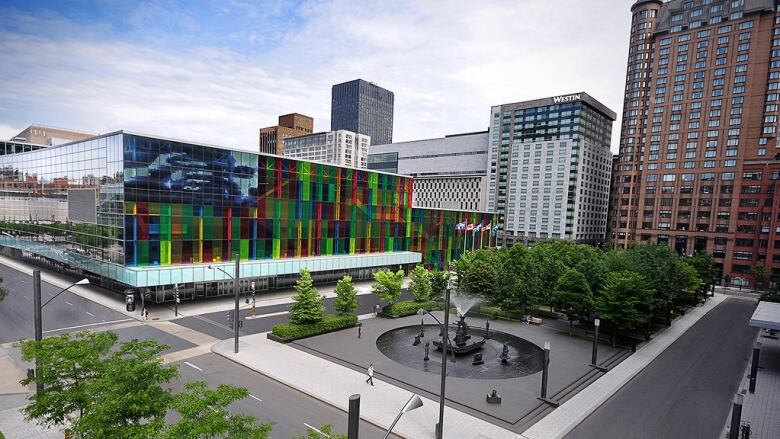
(38, 310)
(444, 339)
(236, 276)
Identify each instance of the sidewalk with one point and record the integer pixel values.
(761, 409)
(379, 404)
(13, 398)
(571, 413)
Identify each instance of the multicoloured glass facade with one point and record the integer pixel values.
(165, 209)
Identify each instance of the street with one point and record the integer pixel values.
(68, 311)
(687, 391)
(287, 409)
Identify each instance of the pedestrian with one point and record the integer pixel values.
(146, 314)
(360, 329)
(370, 374)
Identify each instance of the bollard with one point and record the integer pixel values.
(754, 367)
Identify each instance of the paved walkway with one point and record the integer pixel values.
(333, 384)
(558, 423)
(761, 408)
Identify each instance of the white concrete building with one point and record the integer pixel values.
(339, 147)
(550, 167)
(449, 172)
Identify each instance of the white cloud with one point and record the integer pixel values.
(446, 62)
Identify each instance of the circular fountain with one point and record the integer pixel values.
(472, 352)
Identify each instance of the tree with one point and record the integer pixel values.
(308, 306)
(388, 286)
(705, 267)
(478, 273)
(345, 302)
(204, 414)
(622, 300)
(572, 296)
(127, 398)
(595, 271)
(439, 281)
(692, 282)
(761, 275)
(420, 284)
(67, 363)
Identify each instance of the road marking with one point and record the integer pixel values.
(254, 397)
(273, 314)
(195, 367)
(315, 429)
(70, 304)
(93, 315)
(86, 326)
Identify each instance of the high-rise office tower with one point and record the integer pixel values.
(698, 164)
(340, 147)
(290, 125)
(549, 167)
(364, 108)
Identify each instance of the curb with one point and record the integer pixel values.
(371, 421)
(571, 414)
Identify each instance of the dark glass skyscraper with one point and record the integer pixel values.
(362, 107)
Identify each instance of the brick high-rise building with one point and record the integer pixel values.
(698, 166)
(290, 125)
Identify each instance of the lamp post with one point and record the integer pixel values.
(595, 353)
(236, 276)
(252, 286)
(38, 310)
(545, 373)
(736, 416)
(414, 403)
(754, 367)
(445, 336)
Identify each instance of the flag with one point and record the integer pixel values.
(470, 227)
(460, 226)
(477, 229)
(487, 227)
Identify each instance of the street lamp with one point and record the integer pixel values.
(414, 403)
(445, 347)
(38, 310)
(236, 276)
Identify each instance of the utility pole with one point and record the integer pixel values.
(252, 286)
(236, 277)
(176, 300)
(38, 324)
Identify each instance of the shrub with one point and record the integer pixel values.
(293, 331)
(408, 307)
(770, 297)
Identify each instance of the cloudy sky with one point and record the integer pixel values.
(217, 71)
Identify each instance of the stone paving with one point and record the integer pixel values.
(569, 359)
(761, 408)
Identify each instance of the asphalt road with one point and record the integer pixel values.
(288, 410)
(66, 311)
(686, 392)
(215, 324)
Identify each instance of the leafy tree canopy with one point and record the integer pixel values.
(388, 286)
(308, 306)
(345, 302)
(420, 284)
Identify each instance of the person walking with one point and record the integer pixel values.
(370, 374)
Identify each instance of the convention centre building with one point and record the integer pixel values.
(146, 213)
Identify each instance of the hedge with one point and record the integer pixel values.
(770, 297)
(331, 322)
(408, 308)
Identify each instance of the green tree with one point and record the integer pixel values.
(439, 280)
(705, 267)
(622, 301)
(308, 306)
(204, 414)
(67, 363)
(572, 296)
(420, 284)
(478, 273)
(761, 275)
(127, 397)
(595, 270)
(345, 302)
(692, 282)
(388, 286)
